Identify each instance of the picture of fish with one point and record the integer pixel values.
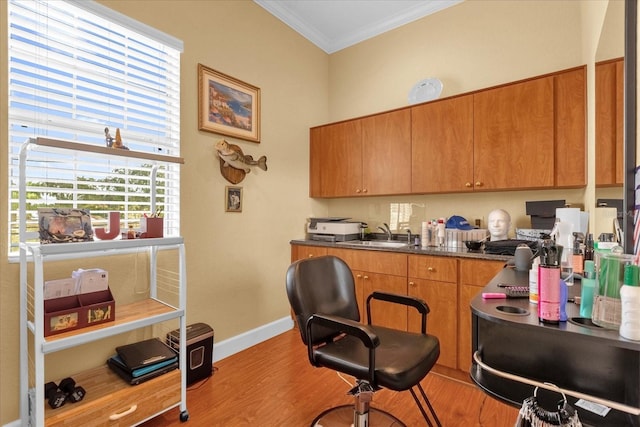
(233, 156)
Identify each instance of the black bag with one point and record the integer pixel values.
(508, 247)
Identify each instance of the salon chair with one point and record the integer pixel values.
(322, 295)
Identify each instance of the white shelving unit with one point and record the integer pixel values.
(107, 396)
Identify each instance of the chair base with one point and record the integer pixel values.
(341, 416)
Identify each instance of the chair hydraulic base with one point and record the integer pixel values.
(342, 416)
(358, 415)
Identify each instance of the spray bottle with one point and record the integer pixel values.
(549, 287)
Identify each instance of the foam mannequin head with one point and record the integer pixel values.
(499, 222)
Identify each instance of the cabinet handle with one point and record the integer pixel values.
(478, 184)
(366, 277)
(310, 256)
(131, 410)
(359, 276)
(358, 191)
(364, 190)
(468, 185)
(412, 284)
(431, 269)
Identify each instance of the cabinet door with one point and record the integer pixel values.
(305, 251)
(392, 263)
(385, 313)
(442, 269)
(514, 136)
(442, 146)
(571, 128)
(609, 123)
(474, 275)
(386, 153)
(441, 297)
(335, 167)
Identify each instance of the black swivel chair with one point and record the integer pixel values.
(322, 295)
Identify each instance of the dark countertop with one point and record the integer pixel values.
(411, 250)
(584, 359)
(488, 309)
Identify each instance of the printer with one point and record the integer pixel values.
(333, 229)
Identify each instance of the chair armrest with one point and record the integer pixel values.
(349, 327)
(346, 326)
(409, 301)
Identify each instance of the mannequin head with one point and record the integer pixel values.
(499, 222)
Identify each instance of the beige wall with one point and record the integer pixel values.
(473, 45)
(236, 261)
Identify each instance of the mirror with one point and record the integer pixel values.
(611, 46)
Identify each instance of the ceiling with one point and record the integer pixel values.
(333, 25)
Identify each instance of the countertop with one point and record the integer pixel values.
(412, 250)
(488, 309)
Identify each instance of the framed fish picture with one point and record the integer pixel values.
(227, 105)
(233, 199)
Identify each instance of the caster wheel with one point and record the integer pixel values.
(184, 416)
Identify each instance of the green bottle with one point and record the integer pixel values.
(588, 286)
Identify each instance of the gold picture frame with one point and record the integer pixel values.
(233, 199)
(228, 106)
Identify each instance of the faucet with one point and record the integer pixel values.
(408, 236)
(387, 230)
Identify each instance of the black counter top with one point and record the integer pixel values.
(412, 250)
(584, 359)
(488, 309)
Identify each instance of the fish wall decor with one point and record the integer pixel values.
(234, 164)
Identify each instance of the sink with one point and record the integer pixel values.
(375, 243)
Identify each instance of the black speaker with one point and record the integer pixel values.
(199, 350)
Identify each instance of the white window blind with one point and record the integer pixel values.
(76, 68)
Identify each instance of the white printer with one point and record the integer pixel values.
(333, 229)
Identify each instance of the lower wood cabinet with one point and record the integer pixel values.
(474, 275)
(442, 320)
(435, 280)
(385, 313)
(306, 251)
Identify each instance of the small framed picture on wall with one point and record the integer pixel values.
(233, 199)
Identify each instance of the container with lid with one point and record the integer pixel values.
(607, 306)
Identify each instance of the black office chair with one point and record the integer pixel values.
(322, 295)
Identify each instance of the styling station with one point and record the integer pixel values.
(517, 356)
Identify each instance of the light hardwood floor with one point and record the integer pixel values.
(273, 385)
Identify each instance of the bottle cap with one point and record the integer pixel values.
(631, 275)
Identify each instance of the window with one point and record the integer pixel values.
(76, 68)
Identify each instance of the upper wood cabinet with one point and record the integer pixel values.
(336, 159)
(513, 136)
(442, 146)
(524, 135)
(609, 123)
(571, 128)
(368, 156)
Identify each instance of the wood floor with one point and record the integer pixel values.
(273, 385)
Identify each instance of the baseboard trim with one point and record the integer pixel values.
(250, 338)
(236, 344)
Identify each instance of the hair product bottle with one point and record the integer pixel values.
(630, 296)
(549, 288)
(588, 287)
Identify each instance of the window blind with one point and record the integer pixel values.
(73, 73)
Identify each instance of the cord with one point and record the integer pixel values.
(203, 382)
